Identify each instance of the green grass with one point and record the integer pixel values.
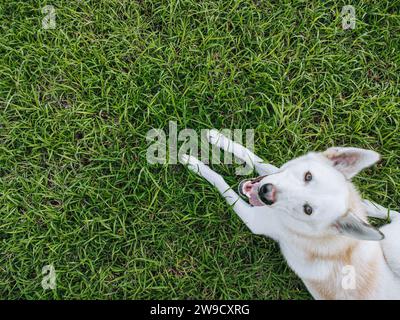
(76, 103)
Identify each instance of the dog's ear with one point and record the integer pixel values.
(351, 161)
(352, 226)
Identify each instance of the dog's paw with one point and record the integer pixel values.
(191, 162)
(200, 168)
(214, 136)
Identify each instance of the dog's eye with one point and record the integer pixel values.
(307, 209)
(308, 176)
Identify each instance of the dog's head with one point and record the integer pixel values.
(313, 194)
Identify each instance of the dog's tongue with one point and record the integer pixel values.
(255, 202)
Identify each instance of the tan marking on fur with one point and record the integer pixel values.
(325, 291)
(344, 256)
(367, 280)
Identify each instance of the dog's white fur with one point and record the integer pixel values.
(319, 247)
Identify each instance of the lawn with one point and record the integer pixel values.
(77, 101)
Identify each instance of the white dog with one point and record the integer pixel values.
(311, 208)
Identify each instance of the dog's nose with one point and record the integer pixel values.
(267, 193)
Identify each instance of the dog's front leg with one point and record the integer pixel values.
(247, 213)
(241, 152)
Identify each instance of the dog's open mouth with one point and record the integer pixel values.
(249, 189)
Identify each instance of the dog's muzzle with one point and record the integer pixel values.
(258, 195)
